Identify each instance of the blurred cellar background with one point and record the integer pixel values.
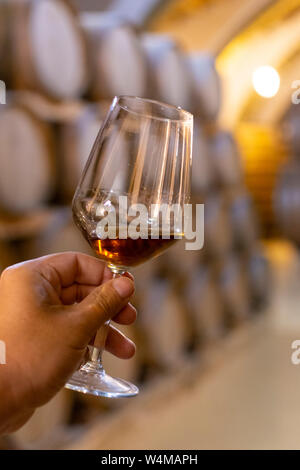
(62, 63)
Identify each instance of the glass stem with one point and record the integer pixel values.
(95, 355)
(95, 352)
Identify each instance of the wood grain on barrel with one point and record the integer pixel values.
(115, 56)
(48, 48)
(168, 74)
(206, 85)
(27, 168)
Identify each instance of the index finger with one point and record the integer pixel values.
(71, 267)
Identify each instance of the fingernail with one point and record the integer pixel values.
(123, 286)
(129, 275)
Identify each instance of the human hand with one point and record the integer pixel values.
(50, 308)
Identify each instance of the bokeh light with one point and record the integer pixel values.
(266, 81)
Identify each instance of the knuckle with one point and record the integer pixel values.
(107, 300)
(8, 273)
(104, 303)
(16, 271)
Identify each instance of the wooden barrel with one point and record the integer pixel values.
(180, 263)
(167, 71)
(242, 219)
(257, 266)
(203, 298)
(27, 161)
(45, 109)
(19, 227)
(75, 124)
(287, 200)
(48, 48)
(76, 140)
(218, 232)
(206, 85)
(62, 235)
(226, 159)
(234, 288)
(164, 324)
(145, 273)
(292, 130)
(116, 60)
(202, 170)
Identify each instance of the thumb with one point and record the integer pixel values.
(103, 303)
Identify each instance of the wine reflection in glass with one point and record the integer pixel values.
(141, 157)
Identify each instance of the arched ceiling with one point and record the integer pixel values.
(270, 46)
(206, 24)
(243, 35)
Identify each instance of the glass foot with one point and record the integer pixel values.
(101, 384)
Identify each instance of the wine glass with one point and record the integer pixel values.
(138, 172)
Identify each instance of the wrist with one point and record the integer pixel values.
(12, 397)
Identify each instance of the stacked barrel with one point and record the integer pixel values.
(61, 70)
(286, 200)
